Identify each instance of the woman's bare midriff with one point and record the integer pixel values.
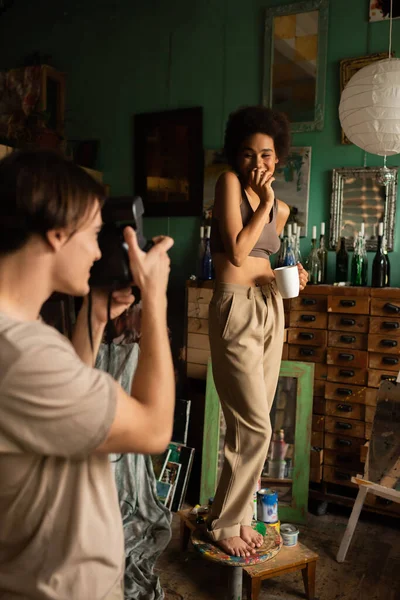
(254, 271)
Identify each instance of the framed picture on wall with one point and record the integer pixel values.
(168, 162)
(292, 184)
(379, 10)
(349, 67)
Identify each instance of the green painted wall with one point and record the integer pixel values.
(125, 57)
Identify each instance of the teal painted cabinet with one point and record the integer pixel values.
(291, 413)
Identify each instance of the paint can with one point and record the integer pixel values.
(289, 534)
(267, 505)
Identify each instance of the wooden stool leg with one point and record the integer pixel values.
(184, 536)
(351, 525)
(309, 579)
(253, 587)
(235, 583)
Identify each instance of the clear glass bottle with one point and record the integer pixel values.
(281, 254)
(313, 263)
(342, 262)
(297, 252)
(289, 258)
(385, 251)
(359, 262)
(323, 255)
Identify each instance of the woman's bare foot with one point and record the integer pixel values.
(251, 536)
(235, 546)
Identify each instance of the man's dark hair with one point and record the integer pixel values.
(40, 190)
(249, 120)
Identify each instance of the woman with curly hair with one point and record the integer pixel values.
(246, 314)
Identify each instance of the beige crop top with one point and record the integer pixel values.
(268, 243)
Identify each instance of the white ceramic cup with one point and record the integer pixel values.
(287, 281)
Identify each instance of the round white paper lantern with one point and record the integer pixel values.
(369, 108)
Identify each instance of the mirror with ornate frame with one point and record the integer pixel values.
(358, 197)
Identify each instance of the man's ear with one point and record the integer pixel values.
(56, 239)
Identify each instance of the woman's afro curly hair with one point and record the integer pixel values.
(247, 121)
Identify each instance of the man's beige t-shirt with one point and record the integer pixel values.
(61, 534)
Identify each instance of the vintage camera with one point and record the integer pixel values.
(112, 271)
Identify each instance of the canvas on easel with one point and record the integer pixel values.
(382, 470)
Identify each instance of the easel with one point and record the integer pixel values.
(384, 462)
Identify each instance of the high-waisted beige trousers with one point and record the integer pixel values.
(246, 326)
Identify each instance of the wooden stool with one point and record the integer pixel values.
(290, 558)
(271, 546)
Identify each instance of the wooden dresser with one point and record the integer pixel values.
(353, 337)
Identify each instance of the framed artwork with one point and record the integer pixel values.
(292, 412)
(295, 49)
(349, 67)
(379, 10)
(214, 164)
(168, 162)
(292, 184)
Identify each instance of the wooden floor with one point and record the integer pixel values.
(371, 570)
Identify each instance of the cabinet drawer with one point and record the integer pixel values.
(307, 353)
(368, 430)
(285, 352)
(200, 295)
(370, 414)
(345, 426)
(311, 320)
(347, 375)
(198, 310)
(197, 325)
(318, 423)
(341, 339)
(316, 474)
(385, 307)
(309, 302)
(309, 337)
(384, 361)
(346, 460)
(317, 439)
(344, 443)
(385, 326)
(349, 410)
(319, 387)
(375, 377)
(320, 371)
(319, 405)
(348, 304)
(347, 357)
(345, 393)
(339, 476)
(198, 340)
(353, 323)
(383, 343)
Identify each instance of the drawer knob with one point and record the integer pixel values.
(342, 476)
(349, 322)
(306, 351)
(344, 407)
(344, 392)
(345, 356)
(390, 325)
(346, 373)
(340, 425)
(390, 360)
(347, 303)
(342, 442)
(391, 308)
(347, 339)
(389, 343)
(388, 378)
(304, 335)
(308, 301)
(308, 318)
